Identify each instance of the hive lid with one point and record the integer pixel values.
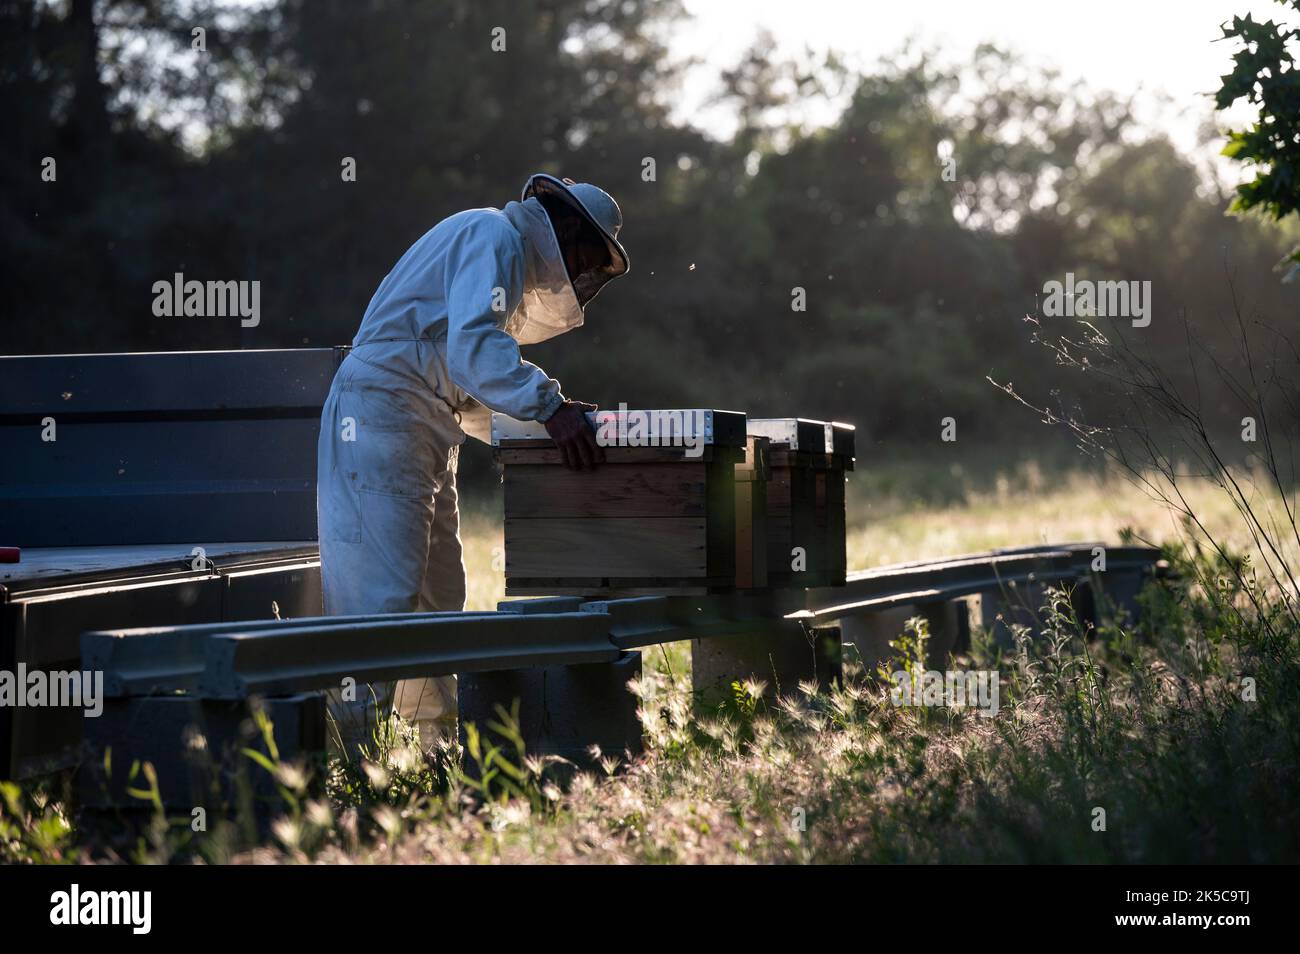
(640, 428)
(796, 433)
(839, 438)
(804, 434)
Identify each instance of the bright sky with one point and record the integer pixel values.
(1122, 45)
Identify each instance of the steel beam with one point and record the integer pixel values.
(541, 604)
(152, 660)
(234, 660)
(918, 583)
(276, 662)
(231, 661)
(648, 620)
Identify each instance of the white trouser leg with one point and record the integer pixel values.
(431, 703)
(380, 469)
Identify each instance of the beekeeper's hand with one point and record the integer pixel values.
(574, 436)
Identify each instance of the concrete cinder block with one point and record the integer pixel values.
(996, 611)
(780, 660)
(1013, 604)
(194, 746)
(871, 633)
(563, 710)
(1110, 597)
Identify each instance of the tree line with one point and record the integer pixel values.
(878, 269)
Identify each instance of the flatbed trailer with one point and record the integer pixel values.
(56, 593)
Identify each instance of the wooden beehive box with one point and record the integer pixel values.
(840, 455)
(658, 516)
(805, 500)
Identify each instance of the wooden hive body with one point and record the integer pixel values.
(805, 500)
(651, 518)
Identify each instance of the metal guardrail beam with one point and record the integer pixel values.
(295, 660)
(1144, 555)
(160, 659)
(648, 620)
(234, 660)
(227, 660)
(541, 604)
(826, 614)
(894, 586)
(909, 583)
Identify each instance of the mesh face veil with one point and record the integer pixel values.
(549, 305)
(598, 209)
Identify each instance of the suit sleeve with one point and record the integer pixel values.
(486, 268)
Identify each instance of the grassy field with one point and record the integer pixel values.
(1131, 744)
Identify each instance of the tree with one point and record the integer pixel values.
(1265, 75)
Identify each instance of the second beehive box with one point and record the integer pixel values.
(808, 461)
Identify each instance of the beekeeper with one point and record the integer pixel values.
(437, 351)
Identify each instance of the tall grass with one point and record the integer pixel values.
(1155, 725)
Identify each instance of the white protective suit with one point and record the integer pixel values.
(437, 350)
